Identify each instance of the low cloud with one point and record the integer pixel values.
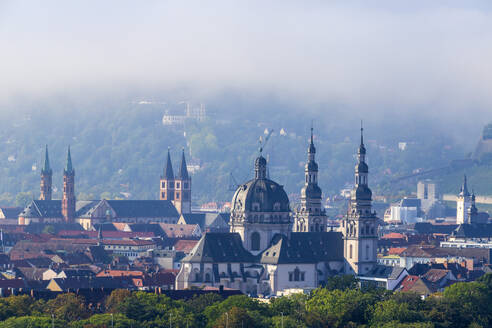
(433, 57)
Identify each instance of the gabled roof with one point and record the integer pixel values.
(407, 283)
(180, 230)
(11, 212)
(154, 228)
(304, 247)
(474, 230)
(42, 209)
(143, 208)
(429, 228)
(216, 247)
(435, 275)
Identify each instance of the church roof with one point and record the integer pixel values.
(143, 208)
(69, 167)
(46, 167)
(264, 192)
(304, 247)
(43, 209)
(215, 247)
(474, 230)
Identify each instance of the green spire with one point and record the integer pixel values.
(46, 168)
(168, 170)
(183, 170)
(69, 167)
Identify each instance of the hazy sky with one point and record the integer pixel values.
(435, 55)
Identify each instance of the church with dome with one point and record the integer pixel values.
(272, 248)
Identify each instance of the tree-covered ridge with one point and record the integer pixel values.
(339, 304)
(119, 148)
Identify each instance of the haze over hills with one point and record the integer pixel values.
(119, 146)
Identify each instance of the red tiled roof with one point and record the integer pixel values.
(394, 235)
(408, 282)
(184, 245)
(396, 250)
(178, 230)
(120, 273)
(106, 234)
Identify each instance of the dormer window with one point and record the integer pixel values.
(276, 207)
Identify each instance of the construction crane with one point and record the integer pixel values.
(233, 185)
(264, 143)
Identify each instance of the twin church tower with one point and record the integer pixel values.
(174, 188)
(68, 198)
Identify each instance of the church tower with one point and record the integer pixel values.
(182, 188)
(463, 203)
(167, 181)
(46, 178)
(359, 227)
(68, 200)
(310, 216)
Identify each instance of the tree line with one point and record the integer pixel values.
(341, 303)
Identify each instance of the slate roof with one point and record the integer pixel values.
(11, 212)
(61, 226)
(215, 247)
(96, 282)
(304, 247)
(155, 228)
(475, 230)
(428, 228)
(195, 218)
(43, 209)
(143, 208)
(385, 271)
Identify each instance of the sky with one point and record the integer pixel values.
(424, 57)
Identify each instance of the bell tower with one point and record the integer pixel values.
(463, 203)
(360, 226)
(46, 178)
(68, 200)
(167, 181)
(182, 188)
(310, 215)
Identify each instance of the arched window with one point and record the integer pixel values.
(207, 277)
(255, 241)
(350, 254)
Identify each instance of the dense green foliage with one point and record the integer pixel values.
(462, 305)
(119, 148)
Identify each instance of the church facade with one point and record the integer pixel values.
(269, 249)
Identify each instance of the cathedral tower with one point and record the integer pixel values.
(359, 227)
(310, 216)
(463, 203)
(182, 188)
(167, 181)
(46, 178)
(68, 200)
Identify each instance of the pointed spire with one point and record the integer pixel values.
(311, 148)
(183, 170)
(46, 167)
(362, 148)
(69, 167)
(464, 188)
(168, 171)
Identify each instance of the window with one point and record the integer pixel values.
(367, 252)
(350, 251)
(255, 241)
(163, 185)
(177, 195)
(207, 277)
(178, 185)
(163, 194)
(290, 276)
(185, 185)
